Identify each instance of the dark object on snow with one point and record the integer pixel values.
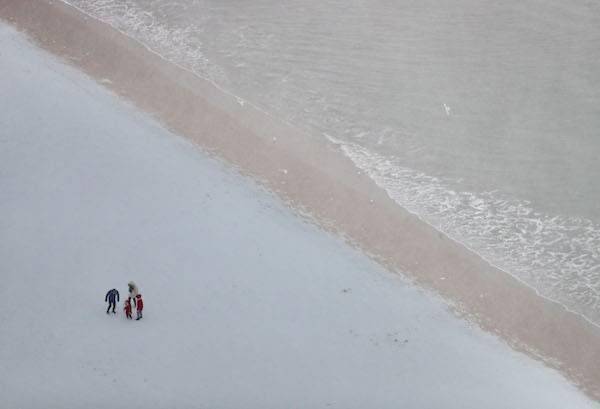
(111, 295)
(139, 304)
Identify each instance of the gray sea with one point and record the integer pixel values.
(481, 117)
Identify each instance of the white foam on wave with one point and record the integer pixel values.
(557, 256)
(179, 45)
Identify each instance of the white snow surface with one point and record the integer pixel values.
(246, 304)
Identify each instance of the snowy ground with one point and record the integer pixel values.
(246, 304)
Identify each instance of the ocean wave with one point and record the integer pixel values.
(557, 256)
(180, 45)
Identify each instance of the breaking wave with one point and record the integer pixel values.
(557, 256)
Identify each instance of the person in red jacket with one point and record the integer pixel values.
(139, 304)
(127, 308)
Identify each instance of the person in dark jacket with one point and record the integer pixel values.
(111, 296)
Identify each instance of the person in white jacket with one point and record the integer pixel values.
(133, 290)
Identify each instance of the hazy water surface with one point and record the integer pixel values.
(481, 117)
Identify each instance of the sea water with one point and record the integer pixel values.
(481, 117)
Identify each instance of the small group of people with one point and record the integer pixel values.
(112, 297)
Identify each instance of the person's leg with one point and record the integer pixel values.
(114, 306)
(108, 309)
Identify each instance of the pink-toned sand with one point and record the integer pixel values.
(316, 179)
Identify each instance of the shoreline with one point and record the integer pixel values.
(317, 180)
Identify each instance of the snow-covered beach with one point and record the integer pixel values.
(247, 304)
